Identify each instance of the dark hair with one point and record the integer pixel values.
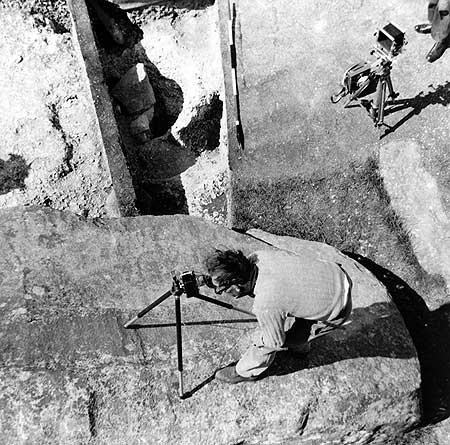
(232, 266)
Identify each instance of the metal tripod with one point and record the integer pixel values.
(379, 103)
(177, 290)
(381, 73)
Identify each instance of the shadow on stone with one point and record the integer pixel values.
(430, 332)
(371, 333)
(161, 197)
(203, 131)
(440, 96)
(113, 30)
(163, 4)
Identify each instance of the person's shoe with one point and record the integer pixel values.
(230, 375)
(436, 51)
(423, 28)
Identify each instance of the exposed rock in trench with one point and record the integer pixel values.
(76, 375)
(181, 56)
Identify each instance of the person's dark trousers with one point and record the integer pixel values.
(438, 49)
(439, 17)
(297, 336)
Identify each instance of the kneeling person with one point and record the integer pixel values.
(286, 287)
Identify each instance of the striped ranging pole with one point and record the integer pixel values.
(234, 80)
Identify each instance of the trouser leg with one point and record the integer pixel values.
(438, 49)
(257, 358)
(297, 336)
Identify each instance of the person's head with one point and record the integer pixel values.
(230, 271)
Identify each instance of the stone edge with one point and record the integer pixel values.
(123, 195)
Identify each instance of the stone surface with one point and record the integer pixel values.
(48, 119)
(106, 126)
(134, 91)
(70, 372)
(140, 124)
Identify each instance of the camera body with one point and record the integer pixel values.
(190, 282)
(390, 41)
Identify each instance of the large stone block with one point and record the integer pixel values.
(70, 372)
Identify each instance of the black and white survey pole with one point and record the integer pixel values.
(234, 78)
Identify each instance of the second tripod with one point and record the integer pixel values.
(363, 79)
(383, 92)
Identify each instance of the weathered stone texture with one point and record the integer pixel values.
(71, 373)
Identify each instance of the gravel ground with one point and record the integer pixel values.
(46, 114)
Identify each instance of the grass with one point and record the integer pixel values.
(349, 210)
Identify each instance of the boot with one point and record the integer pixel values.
(230, 375)
(436, 51)
(423, 28)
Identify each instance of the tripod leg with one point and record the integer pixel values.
(148, 308)
(376, 101)
(223, 304)
(380, 119)
(357, 93)
(179, 346)
(392, 93)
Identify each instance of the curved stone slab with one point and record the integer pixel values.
(70, 373)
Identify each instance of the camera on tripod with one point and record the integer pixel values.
(190, 283)
(390, 40)
(365, 78)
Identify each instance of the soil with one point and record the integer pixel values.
(45, 143)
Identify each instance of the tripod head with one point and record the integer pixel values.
(382, 65)
(390, 42)
(189, 283)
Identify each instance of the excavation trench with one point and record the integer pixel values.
(168, 108)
